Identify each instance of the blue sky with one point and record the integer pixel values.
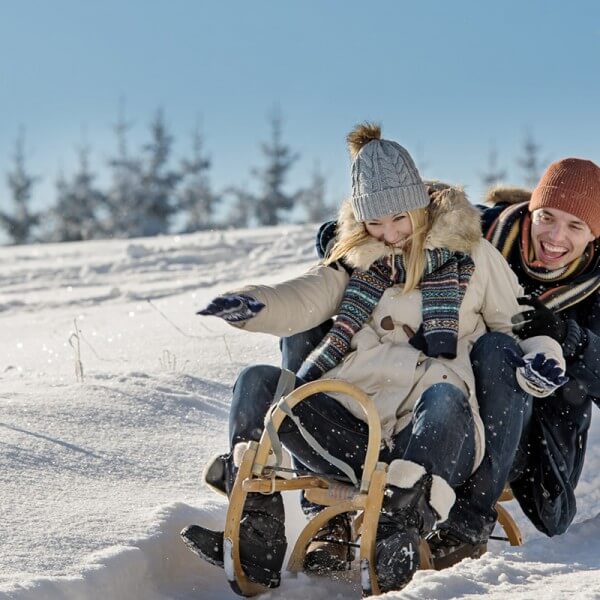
(448, 80)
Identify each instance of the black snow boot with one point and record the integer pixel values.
(448, 548)
(331, 549)
(206, 543)
(219, 473)
(262, 530)
(407, 516)
(262, 540)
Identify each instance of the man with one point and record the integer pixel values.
(550, 239)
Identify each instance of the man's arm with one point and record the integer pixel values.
(582, 348)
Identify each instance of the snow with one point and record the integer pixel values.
(98, 477)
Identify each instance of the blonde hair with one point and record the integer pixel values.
(414, 249)
(343, 246)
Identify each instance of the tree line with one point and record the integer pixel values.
(147, 195)
(528, 162)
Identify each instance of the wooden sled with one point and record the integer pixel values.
(254, 475)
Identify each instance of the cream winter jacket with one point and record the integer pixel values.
(381, 361)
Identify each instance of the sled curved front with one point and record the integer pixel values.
(327, 386)
(254, 475)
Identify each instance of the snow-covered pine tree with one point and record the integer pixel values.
(272, 200)
(242, 205)
(19, 224)
(529, 162)
(121, 211)
(312, 199)
(493, 175)
(75, 214)
(156, 190)
(197, 201)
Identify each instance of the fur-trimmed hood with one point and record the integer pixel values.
(456, 225)
(507, 195)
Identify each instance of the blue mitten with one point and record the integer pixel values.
(541, 373)
(233, 309)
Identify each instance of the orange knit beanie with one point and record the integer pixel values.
(572, 185)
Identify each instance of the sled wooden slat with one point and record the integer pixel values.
(324, 498)
(267, 485)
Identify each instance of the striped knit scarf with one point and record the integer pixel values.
(443, 287)
(558, 289)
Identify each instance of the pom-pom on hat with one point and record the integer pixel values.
(385, 179)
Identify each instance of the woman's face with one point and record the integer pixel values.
(391, 229)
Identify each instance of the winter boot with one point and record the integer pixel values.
(331, 550)
(219, 473)
(262, 540)
(449, 548)
(207, 544)
(414, 500)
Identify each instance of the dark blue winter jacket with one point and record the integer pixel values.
(560, 422)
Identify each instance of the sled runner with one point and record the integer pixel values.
(258, 472)
(513, 533)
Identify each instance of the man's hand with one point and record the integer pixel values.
(233, 309)
(541, 321)
(541, 373)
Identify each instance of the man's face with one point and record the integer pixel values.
(558, 237)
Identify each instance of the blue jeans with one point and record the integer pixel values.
(443, 450)
(505, 410)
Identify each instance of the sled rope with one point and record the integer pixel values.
(285, 385)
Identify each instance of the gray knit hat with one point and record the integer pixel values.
(385, 179)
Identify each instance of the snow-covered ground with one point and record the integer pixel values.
(98, 476)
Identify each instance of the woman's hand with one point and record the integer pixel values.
(233, 309)
(543, 374)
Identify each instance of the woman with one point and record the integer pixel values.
(424, 286)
